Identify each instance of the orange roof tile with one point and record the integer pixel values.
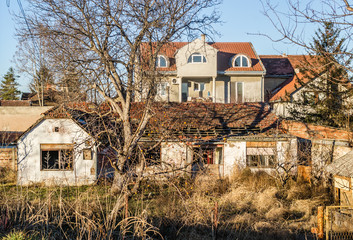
(292, 84)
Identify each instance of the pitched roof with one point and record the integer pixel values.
(277, 65)
(226, 51)
(209, 116)
(342, 166)
(285, 89)
(7, 138)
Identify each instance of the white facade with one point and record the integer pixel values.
(234, 155)
(56, 133)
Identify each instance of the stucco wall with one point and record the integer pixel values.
(234, 157)
(252, 87)
(29, 154)
(19, 119)
(174, 155)
(185, 69)
(271, 83)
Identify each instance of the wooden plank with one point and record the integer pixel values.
(260, 144)
(56, 146)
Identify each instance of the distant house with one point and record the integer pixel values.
(220, 72)
(299, 88)
(56, 150)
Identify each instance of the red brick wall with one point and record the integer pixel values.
(310, 131)
(8, 158)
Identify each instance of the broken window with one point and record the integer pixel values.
(208, 154)
(57, 156)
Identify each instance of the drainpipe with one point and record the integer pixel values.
(214, 89)
(180, 89)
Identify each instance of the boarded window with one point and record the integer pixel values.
(57, 156)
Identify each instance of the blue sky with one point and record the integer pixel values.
(240, 18)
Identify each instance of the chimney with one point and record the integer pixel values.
(203, 37)
(284, 55)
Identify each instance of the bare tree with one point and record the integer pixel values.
(104, 38)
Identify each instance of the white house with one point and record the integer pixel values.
(56, 151)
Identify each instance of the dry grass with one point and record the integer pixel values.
(250, 206)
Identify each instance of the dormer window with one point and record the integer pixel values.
(161, 61)
(241, 61)
(196, 58)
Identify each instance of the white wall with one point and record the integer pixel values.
(29, 154)
(174, 155)
(185, 69)
(234, 157)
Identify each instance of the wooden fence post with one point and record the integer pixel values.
(320, 222)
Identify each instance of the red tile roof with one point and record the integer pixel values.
(277, 65)
(284, 90)
(176, 117)
(206, 116)
(227, 50)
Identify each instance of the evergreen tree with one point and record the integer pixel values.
(8, 86)
(325, 81)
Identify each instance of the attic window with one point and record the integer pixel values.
(197, 58)
(161, 61)
(241, 61)
(56, 129)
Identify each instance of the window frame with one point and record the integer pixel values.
(241, 56)
(196, 54)
(59, 148)
(162, 87)
(209, 154)
(158, 61)
(264, 154)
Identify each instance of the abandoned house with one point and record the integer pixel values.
(218, 139)
(56, 150)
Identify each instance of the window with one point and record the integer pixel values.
(87, 154)
(161, 61)
(261, 154)
(241, 61)
(196, 58)
(199, 86)
(260, 161)
(262, 157)
(162, 89)
(57, 156)
(240, 91)
(208, 154)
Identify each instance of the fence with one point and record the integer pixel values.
(339, 222)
